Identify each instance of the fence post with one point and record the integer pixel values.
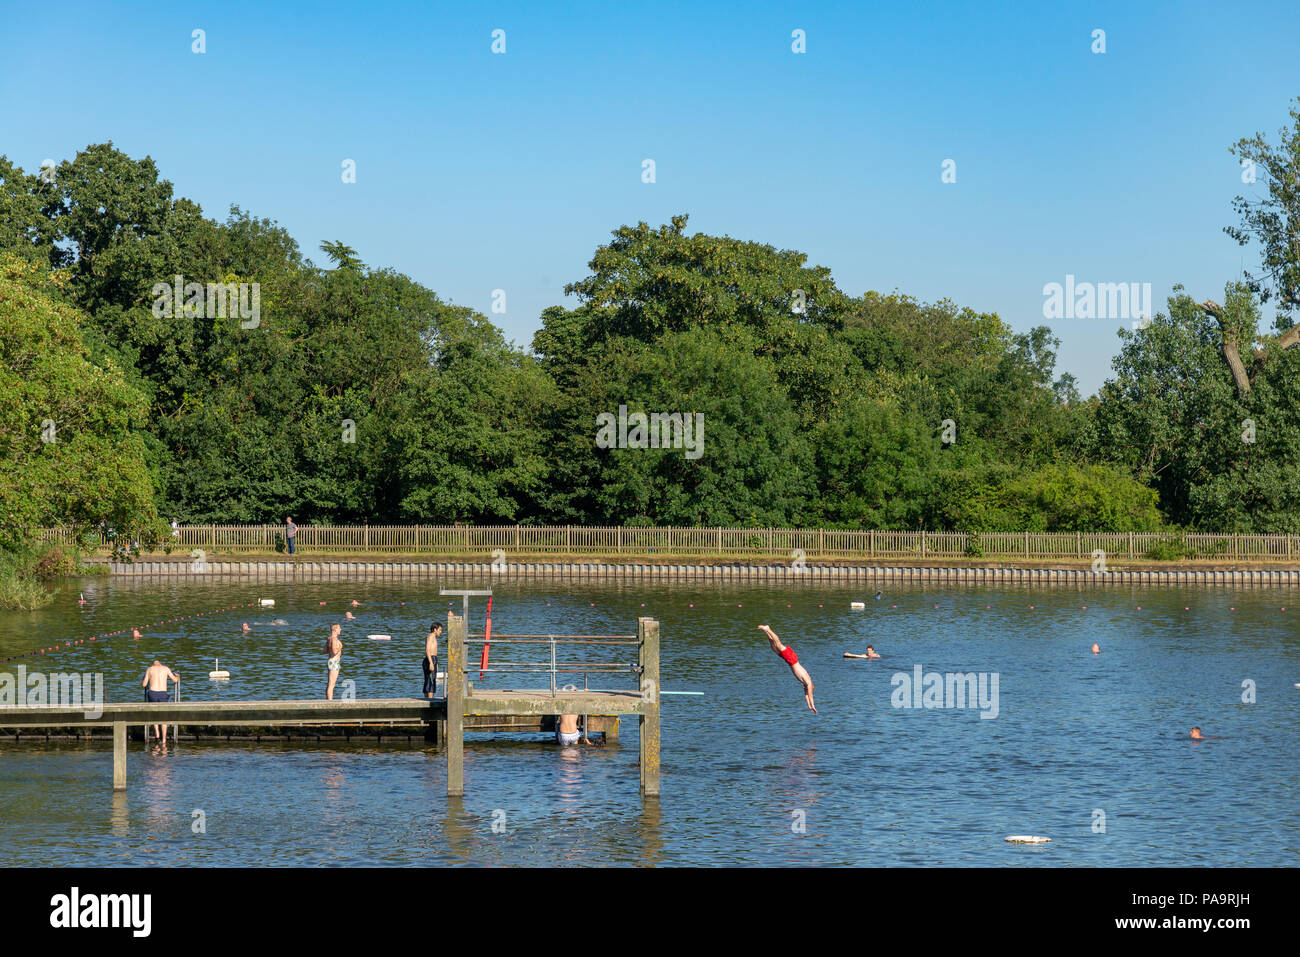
(455, 705)
(648, 633)
(1078, 544)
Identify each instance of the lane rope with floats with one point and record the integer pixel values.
(132, 630)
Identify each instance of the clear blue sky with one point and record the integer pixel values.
(478, 171)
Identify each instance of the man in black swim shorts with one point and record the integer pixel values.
(430, 661)
(155, 681)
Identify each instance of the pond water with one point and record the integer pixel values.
(1091, 750)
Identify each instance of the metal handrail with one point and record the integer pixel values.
(555, 667)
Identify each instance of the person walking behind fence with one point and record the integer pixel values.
(333, 648)
(155, 681)
(430, 661)
(786, 654)
(290, 532)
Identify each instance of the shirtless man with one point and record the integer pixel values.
(787, 655)
(430, 661)
(334, 649)
(155, 681)
(566, 730)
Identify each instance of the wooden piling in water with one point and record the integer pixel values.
(455, 705)
(648, 633)
(119, 756)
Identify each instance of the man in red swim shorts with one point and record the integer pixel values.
(787, 655)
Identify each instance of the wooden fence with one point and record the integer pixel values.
(781, 544)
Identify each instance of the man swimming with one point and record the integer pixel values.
(429, 663)
(787, 655)
(155, 681)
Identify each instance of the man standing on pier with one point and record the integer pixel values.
(155, 681)
(430, 662)
(290, 532)
(786, 654)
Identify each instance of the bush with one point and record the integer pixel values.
(20, 589)
(54, 562)
(1170, 548)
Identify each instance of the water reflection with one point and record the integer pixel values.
(119, 816)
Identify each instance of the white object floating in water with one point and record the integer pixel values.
(267, 601)
(217, 674)
(857, 605)
(380, 637)
(1028, 839)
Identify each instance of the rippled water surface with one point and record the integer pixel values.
(1080, 742)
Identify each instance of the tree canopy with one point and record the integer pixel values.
(205, 370)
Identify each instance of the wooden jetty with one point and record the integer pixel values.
(465, 708)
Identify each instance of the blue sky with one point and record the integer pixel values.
(478, 171)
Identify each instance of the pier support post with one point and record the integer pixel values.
(648, 633)
(455, 705)
(119, 756)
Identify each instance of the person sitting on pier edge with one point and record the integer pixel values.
(430, 660)
(566, 730)
(155, 681)
(786, 654)
(333, 648)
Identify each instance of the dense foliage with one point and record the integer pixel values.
(356, 394)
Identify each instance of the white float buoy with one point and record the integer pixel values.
(380, 637)
(217, 674)
(266, 601)
(1028, 839)
(857, 605)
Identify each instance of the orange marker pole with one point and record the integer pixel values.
(487, 636)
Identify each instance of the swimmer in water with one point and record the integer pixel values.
(1197, 736)
(355, 603)
(246, 628)
(278, 621)
(334, 649)
(1096, 648)
(568, 733)
(351, 617)
(787, 655)
(871, 653)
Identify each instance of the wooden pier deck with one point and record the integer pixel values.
(442, 720)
